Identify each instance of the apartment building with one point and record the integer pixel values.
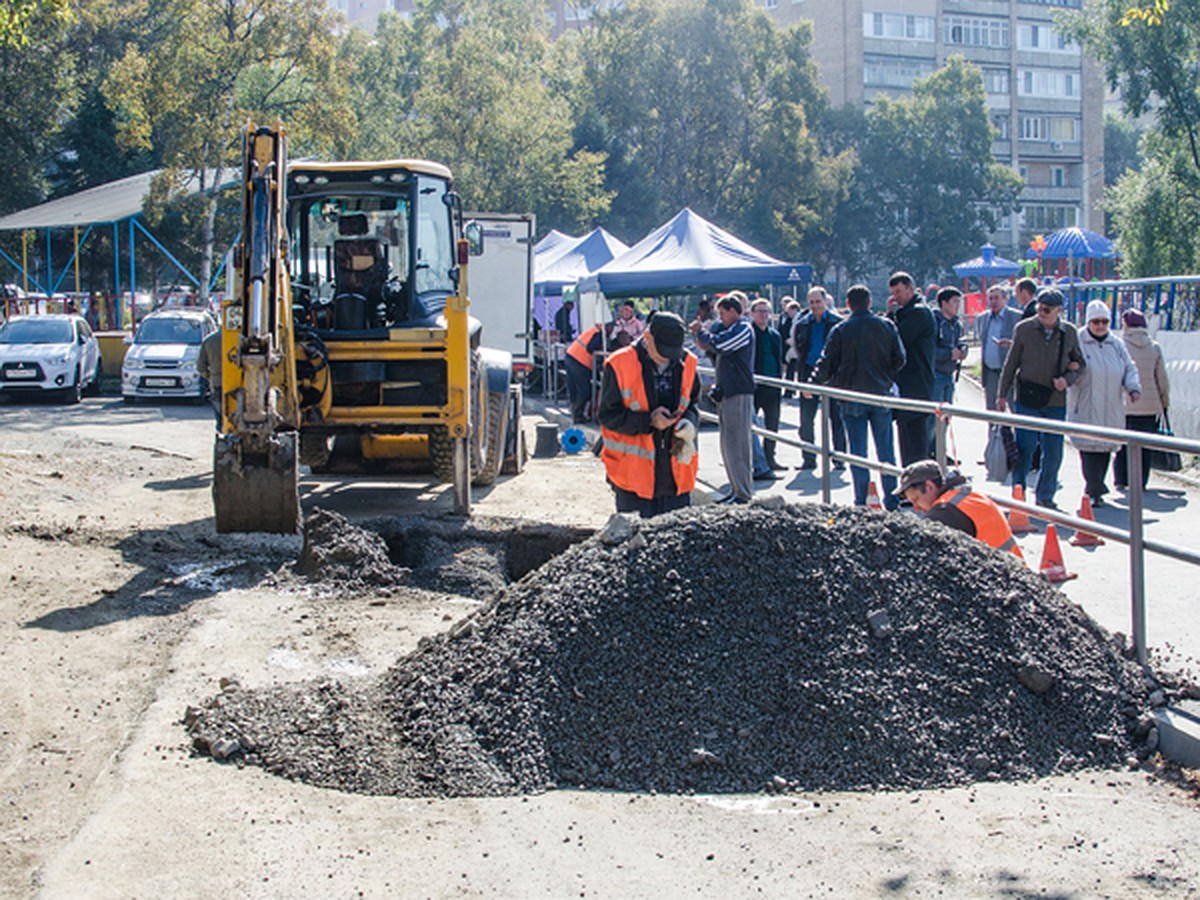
(1045, 97)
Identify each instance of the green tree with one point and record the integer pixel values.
(1156, 211)
(704, 103)
(200, 69)
(470, 84)
(1154, 60)
(934, 187)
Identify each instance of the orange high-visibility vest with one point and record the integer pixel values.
(990, 524)
(578, 350)
(629, 458)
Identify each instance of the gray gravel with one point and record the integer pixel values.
(722, 649)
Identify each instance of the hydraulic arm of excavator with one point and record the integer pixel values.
(255, 475)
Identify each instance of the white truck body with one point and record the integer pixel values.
(501, 280)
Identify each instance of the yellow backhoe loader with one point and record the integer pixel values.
(347, 334)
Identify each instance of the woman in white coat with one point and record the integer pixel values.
(1098, 397)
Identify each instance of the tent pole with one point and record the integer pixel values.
(117, 270)
(49, 270)
(167, 253)
(133, 272)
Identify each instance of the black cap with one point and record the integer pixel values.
(1049, 296)
(918, 473)
(668, 330)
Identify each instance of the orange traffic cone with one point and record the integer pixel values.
(1052, 562)
(1018, 519)
(873, 496)
(1086, 538)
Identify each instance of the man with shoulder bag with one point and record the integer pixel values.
(1043, 360)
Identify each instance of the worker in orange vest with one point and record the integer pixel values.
(648, 419)
(579, 371)
(949, 499)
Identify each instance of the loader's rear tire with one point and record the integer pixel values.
(256, 493)
(496, 427)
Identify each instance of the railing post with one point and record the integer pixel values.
(1137, 557)
(939, 430)
(826, 462)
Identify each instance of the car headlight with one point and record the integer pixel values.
(132, 363)
(59, 359)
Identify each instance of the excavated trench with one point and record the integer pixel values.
(714, 649)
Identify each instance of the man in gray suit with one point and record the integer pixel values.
(993, 330)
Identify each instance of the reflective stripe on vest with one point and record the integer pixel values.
(990, 525)
(578, 350)
(629, 458)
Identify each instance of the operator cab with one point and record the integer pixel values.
(372, 246)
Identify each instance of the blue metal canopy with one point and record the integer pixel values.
(987, 265)
(689, 254)
(1078, 243)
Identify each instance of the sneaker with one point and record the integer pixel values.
(1097, 502)
(807, 464)
(776, 466)
(1047, 504)
(839, 466)
(726, 498)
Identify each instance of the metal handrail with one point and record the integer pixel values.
(1134, 441)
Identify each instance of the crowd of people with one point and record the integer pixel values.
(1032, 362)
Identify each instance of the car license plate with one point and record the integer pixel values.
(159, 382)
(21, 373)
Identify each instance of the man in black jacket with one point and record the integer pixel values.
(918, 332)
(864, 354)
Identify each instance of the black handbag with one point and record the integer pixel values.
(1032, 394)
(1165, 460)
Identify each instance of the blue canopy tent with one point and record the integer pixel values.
(557, 270)
(690, 255)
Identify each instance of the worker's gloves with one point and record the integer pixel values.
(683, 441)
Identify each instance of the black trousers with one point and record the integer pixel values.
(1147, 425)
(912, 429)
(579, 388)
(767, 400)
(1095, 469)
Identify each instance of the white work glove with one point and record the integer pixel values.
(683, 441)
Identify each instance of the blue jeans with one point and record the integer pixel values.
(856, 417)
(1052, 451)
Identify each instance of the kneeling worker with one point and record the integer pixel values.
(951, 501)
(648, 419)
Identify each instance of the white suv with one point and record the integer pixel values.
(161, 359)
(49, 354)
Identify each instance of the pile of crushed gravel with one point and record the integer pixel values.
(722, 649)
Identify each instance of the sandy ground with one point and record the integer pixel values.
(120, 607)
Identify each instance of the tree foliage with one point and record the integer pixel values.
(934, 189)
(1156, 211)
(704, 103)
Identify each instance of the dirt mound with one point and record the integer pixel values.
(722, 649)
(339, 553)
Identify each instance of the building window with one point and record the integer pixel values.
(1001, 122)
(897, 26)
(1057, 83)
(1064, 128)
(1023, 171)
(1048, 216)
(1058, 176)
(1044, 37)
(995, 81)
(973, 31)
(894, 71)
(1033, 128)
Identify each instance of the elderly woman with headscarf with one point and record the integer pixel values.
(1142, 414)
(1097, 397)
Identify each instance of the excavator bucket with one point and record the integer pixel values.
(256, 492)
